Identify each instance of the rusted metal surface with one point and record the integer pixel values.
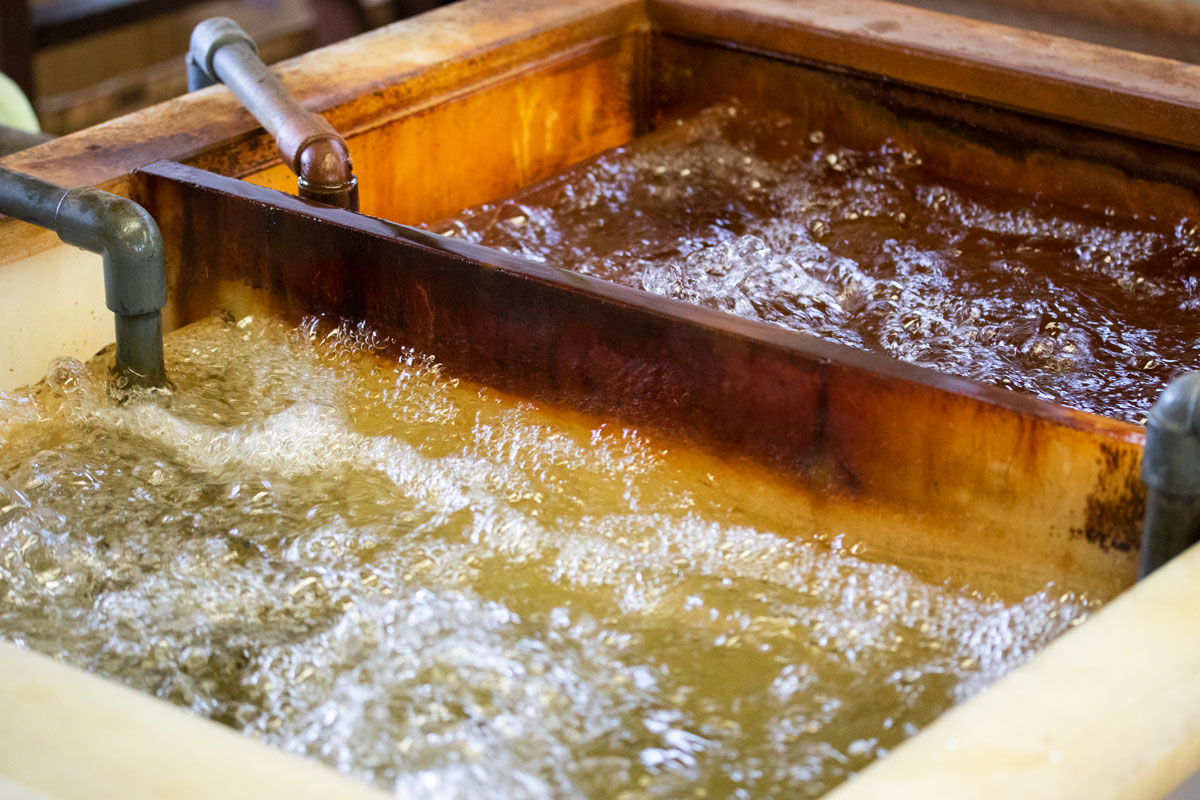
(359, 83)
(999, 470)
(1174, 17)
(946, 467)
(376, 79)
(1114, 90)
(485, 141)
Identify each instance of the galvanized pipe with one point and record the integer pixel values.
(14, 140)
(126, 236)
(222, 52)
(1171, 472)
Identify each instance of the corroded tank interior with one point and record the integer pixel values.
(751, 212)
(637, 83)
(960, 481)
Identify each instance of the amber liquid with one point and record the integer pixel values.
(756, 216)
(449, 593)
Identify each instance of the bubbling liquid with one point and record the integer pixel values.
(446, 593)
(752, 215)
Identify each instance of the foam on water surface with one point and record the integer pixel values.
(449, 594)
(754, 215)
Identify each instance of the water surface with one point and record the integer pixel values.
(755, 215)
(447, 593)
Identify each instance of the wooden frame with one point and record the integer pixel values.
(1058, 99)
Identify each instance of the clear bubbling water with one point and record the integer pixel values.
(753, 215)
(449, 594)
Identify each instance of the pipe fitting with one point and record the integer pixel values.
(222, 52)
(326, 173)
(127, 237)
(210, 36)
(128, 240)
(1171, 472)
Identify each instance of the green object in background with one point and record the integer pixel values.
(15, 111)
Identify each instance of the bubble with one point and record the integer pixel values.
(717, 212)
(327, 543)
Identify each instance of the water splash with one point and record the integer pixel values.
(754, 216)
(359, 559)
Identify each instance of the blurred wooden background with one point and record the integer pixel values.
(86, 61)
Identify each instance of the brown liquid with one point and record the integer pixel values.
(750, 215)
(449, 593)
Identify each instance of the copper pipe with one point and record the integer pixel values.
(222, 52)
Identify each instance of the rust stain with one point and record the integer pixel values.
(840, 421)
(1032, 156)
(1117, 503)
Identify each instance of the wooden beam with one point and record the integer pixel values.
(1084, 83)
(1110, 711)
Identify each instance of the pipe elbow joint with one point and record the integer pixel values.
(210, 36)
(326, 172)
(127, 238)
(325, 161)
(1171, 472)
(1171, 459)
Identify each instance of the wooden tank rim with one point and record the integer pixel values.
(506, 34)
